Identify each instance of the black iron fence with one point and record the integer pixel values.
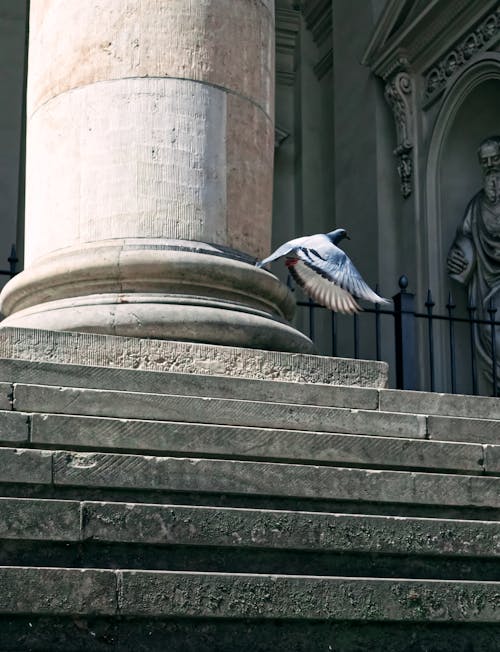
(13, 261)
(424, 346)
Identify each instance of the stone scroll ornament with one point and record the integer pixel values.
(474, 257)
(399, 92)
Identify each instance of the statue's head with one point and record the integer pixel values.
(489, 160)
(489, 154)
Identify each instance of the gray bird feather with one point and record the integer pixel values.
(325, 272)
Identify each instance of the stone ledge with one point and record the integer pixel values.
(167, 594)
(134, 472)
(130, 405)
(25, 465)
(72, 521)
(14, 428)
(34, 519)
(286, 530)
(249, 479)
(187, 384)
(213, 595)
(434, 403)
(161, 355)
(195, 439)
(72, 591)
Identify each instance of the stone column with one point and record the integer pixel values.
(149, 173)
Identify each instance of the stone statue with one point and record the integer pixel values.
(474, 257)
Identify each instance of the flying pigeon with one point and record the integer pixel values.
(325, 272)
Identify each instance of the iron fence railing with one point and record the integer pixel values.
(416, 369)
(12, 260)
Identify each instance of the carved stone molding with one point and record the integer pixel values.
(482, 36)
(287, 28)
(318, 17)
(399, 94)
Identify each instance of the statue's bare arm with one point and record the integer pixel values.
(461, 254)
(456, 262)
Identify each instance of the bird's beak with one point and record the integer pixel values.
(347, 237)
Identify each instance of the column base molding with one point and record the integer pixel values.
(176, 290)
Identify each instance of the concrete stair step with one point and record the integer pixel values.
(74, 521)
(158, 382)
(177, 438)
(152, 407)
(239, 412)
(108, 471)
(170, 594)
(271, 390)
(454, 405)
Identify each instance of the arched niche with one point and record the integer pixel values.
(470, 112)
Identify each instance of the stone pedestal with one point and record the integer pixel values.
(149, 173)
(105, 351)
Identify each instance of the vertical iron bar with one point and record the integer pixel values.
(450, 306)
(430, 305)
(492, 311)
(13, 260)
(378, 347)
(405, 337)
(356, 336)
(311, 319)
(334, 334)
(21, 172)
(471, 310)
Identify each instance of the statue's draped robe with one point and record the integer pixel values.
(479, 239)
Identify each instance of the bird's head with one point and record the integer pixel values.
(338, 235)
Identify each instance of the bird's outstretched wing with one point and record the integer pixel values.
(328, 275)
(322, 290)
(283, 250)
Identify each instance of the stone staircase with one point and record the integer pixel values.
(148, 510)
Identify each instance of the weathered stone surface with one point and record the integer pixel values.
(485, 431)
(172, 38)
(129, 405)
(25, 465)
(29, 518)
(492, 459)
(454, 405)
(187, 384)
(247, 528)
(170, 594)
(14, 427)
(59, 591)
(159, 355)
(232, 441)
(53, 591)
(273, 479)
(5, 392)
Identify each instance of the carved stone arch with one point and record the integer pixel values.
(484, 69)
